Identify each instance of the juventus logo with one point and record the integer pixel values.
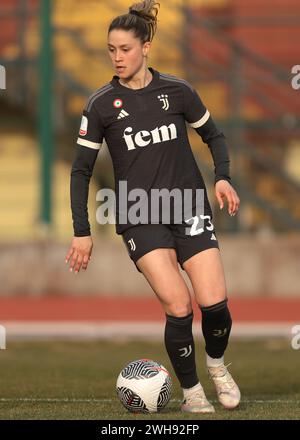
(220, 333)
(165, 100)
(186, 351)
(132, 244)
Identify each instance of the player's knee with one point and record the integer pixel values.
(179, 309)
(210, 298)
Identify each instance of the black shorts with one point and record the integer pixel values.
(141, 239)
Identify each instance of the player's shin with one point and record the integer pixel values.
(180, 346)
(216, 327)
(181, 349)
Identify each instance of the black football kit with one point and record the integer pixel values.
(146, 134)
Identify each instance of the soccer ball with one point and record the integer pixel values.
(144, 386)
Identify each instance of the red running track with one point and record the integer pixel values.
(62, 308)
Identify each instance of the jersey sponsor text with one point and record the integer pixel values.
(144, 138)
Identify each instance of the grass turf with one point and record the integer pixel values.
(76, 380)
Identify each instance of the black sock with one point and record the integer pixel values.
(180, 346)
(216, 327)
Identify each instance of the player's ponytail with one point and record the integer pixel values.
(141, 18)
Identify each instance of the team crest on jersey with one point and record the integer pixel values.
(165, 100)
(83, 126)
(118, 103)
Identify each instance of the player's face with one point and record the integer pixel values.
(127, 53)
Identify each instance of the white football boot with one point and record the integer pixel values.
(196, 402)
(228, 392)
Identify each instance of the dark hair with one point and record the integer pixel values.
(141, 19)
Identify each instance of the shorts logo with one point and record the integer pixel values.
(118, 103)
(213, 237)
(165, 100)
(83, 126)
(132, 244)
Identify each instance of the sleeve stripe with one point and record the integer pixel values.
(201, 121)
(167, 77)
(96, 95)
(88, 144)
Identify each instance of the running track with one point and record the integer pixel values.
(60, 317)
(58, 308)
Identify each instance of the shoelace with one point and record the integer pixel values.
(223, 377)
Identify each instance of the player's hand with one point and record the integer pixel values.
(224, 191)
(79, 253)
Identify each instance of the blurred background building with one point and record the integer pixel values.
(239, 56)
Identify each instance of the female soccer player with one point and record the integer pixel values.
(142, 115)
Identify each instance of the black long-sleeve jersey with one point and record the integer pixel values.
(146, 134)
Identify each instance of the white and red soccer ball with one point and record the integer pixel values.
(144, 386)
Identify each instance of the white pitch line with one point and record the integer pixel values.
(70, 400)
(78, 330)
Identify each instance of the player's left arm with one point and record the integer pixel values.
(216, 142)
(200, 119)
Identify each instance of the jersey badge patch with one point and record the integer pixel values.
(118, 103)
(83, 126)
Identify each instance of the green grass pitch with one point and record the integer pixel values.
(76, 380)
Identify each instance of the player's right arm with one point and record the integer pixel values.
(88, 145)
